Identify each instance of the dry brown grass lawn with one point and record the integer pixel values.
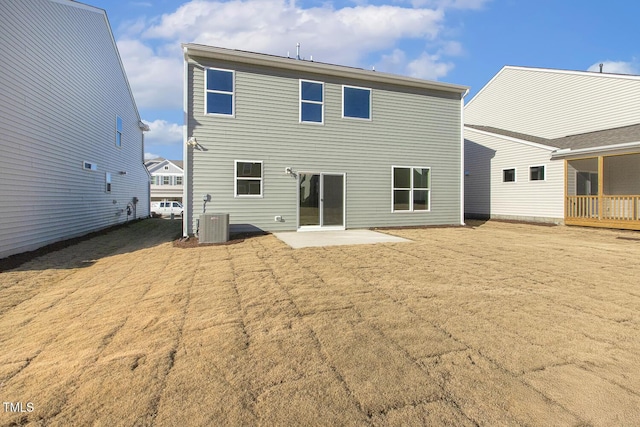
(496, 324)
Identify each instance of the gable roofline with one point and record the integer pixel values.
(154, 167)
(553, 71)
(252, 58)
(73, 3)
(531, 141)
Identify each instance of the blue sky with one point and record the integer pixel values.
(458, 41)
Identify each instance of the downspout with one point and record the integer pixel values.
(186, 215)
(466, 92)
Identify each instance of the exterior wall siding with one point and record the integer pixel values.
(409, 127)
(529, 101)
(62, 86)
(486, 195)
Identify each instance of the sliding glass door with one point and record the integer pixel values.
(321, 199)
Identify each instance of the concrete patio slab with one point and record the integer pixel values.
(306, 239)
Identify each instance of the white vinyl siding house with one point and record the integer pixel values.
(552, 103)
(325, 152)
(486, 192)
(166, 179)
(71, 139)
(572, 139)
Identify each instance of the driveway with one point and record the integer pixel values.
(491, 324)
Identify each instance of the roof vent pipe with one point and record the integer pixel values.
(601, 65)
(298, 51)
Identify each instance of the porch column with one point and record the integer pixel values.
(600, 187)
(566, 189)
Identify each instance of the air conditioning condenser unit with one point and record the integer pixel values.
(214, 228)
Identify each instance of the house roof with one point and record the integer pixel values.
(602, 140)
(510, 134)
(153, 164)
(621, 135)
(198, 50)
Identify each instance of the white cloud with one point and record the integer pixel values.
(164, 133)
(155, 78)
(343, 36)
(451, 4)
(426, 66)
(150, 156)
(616, 67)
(429, 67)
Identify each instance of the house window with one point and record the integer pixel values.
(411, 189)
(536, 173)
(508, 175)
(311, 102)
(166, 168)
(107, 182)
(154, 180)
(118, 131)
(166, 180)
(178, 180)
(356, 102)
(219, 92)
(89, 166)
(248, 178)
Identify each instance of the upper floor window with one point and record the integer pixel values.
(356, 102)
(536, 173)
(311, 101)
(166, 180)
(107, 182)
(219, 92)
(411, 189)
(178, 180)
(118, 131)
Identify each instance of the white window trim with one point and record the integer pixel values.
(411, 188)
(370, 104)
(232, 93)
(538, 166)
(92, 166)
(321, 122)
(515, 176)
(236, 177)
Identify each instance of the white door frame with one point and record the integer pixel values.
(321, 227)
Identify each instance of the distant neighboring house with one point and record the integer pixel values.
(286, 144)
(166, 179)
(71, 139)
(554, 146)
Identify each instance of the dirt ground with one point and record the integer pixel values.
(491, 324)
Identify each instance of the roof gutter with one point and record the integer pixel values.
(265, 60)
(568, 152)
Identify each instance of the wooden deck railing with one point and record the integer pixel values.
(617, 208)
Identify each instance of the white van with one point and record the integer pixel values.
(166, 208)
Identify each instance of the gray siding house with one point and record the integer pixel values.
(555, 146)
(71, 139)
(285, 144)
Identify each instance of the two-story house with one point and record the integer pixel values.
(166, 179)
(71, 139)
(287, 144)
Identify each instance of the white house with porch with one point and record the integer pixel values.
(554, 146)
